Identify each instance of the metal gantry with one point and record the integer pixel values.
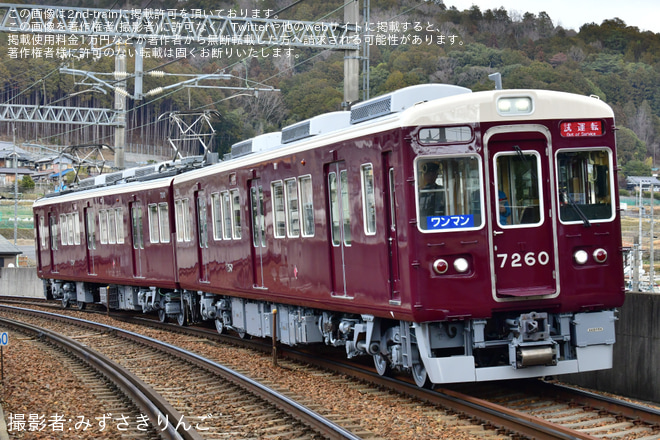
(113, 29)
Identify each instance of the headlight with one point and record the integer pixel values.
(515, 105)
(580, 257)
(461, 265)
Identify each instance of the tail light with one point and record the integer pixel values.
(600, 255)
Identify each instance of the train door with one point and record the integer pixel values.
(392, 240)
(52, 225)
(137, 235)
(524, 233)
(258, 215)
(90, 233)
(202, 236)
(40, 240)
(340, 225)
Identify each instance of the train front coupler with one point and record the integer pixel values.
(531, 343)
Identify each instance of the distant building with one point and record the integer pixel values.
(8, 252)
(14, 163)
(634, 182)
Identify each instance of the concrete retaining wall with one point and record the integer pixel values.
(636, 370)
(636, 367)
(20, 281)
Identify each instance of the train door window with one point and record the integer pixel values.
(226, 216)
(136, 221)
(339, 208)
(42, 232)
(585, 185)
(519, 199)
(258, 216)
(103, 226)
(164, 222)
(279, 217)
(449, 193)
(307, 202)
(91, 229)
(63, 229)
(292, 208)
(76, 228)
(216, 216)
(112, 226)
(202, 217)
(53, 233)
(119, 215)
(368, 199)
(236, 209)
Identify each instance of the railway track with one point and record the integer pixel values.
(198, 398)
(477, 411)
(102, 381)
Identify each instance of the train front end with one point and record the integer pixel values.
(516, 259)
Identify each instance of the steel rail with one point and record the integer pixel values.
(308, 417)
(140, 393)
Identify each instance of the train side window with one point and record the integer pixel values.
(178, 219)
(236, 209)
(226, 216)
(279, 217)
(120, 224)
(153, 223)
(76, 228)
(307, 202)
(164, 222)
(63, 229)
(216, 216)
(292, 208)
(112, 226)
(103, 226)
(368, 199)
(69, 221)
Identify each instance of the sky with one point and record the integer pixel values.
(571, 14)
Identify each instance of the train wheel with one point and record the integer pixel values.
(161, 315)
(65, 303)
(181, 319)
(420, 376)
(220, 325)
(80, 305)
(382, 365)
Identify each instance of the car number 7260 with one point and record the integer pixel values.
(519, 260)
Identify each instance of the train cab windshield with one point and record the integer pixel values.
(449, 195)
(585, 186)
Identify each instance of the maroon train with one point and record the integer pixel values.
(459, 236)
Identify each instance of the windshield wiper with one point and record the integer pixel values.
(577, 209)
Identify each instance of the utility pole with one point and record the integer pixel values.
(351, 58)
(651, 270)
(120, 107)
